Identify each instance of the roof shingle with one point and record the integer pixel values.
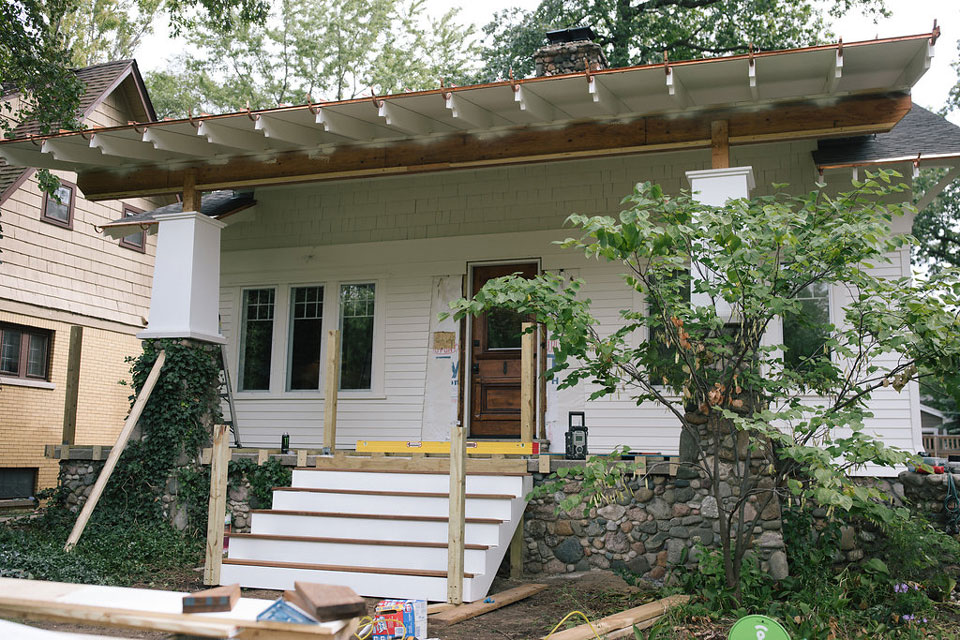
(919, 132)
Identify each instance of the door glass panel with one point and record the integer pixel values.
(504, 328)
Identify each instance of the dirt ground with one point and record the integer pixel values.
(596, 594)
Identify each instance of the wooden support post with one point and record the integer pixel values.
(528, 382)
(542, 385)
(73, 385)
(301, 457)
(219, 462)
(719, 144)
(516, 551)
(262, 456)
(114, 456)
(191, 198)
(455, 524)
(331, 389)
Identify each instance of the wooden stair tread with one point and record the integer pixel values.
(372, 516)
(397, 494)
(411, 471)
(386, 543)
(343, 568)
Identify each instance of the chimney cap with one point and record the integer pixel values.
(572, 34)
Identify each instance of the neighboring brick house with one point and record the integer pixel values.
(68, 296)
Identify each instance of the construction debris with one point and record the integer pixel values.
(327, 602)
(620, 625)
(216, 599)
(491, 603)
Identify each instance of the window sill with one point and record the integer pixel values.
(306, 395)
(23, 382)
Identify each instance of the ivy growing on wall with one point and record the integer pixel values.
(175, 425)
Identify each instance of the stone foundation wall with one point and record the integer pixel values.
(656, 525)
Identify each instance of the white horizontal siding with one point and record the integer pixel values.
(406, 232)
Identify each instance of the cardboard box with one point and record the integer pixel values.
(395, 619)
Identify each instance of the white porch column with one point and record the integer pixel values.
(714, 187)
(185, 299)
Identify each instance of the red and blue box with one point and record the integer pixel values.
(395, 619)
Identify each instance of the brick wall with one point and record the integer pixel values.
(31, 417)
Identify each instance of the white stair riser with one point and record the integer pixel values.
(371, 503)
(423, 482)
(368, 528)
(373, 585)
(369, 555)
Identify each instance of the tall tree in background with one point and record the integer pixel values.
(639, 31)
(39, 38)
(105, 30)
(329, 49)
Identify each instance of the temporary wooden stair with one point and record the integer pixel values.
(384, 534)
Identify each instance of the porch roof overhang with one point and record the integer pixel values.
(838, 89)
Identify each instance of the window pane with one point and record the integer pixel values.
(37, 357)
(135, 239)
(10, 351)
(356, 335)
(306, 320)
(504, 329)
(256, 339)
(58, 204)
(805, 333)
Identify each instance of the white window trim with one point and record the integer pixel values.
(240, 323)
(26, 382)
(281, 339)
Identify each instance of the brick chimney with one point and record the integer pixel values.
(567, 51)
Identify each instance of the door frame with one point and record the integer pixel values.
(467, 360)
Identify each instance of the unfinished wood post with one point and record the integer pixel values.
(331, 389)
(719, 145)
(528, 381)
(73, 385)
(190, 197)
(455, 523)
(219, 463)
(114, 456)
(516, 551)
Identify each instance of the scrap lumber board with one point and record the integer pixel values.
(439, 607)
(217, 599)
(623, 619)
(474, 609)
(24, 632)
(627, 632)
(153, 610)
(474, 448)
(330, 602)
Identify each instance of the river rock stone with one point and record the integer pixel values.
(569, 551)
(612, 511)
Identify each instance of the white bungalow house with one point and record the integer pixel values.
(370, 215)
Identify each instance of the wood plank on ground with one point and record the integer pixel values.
(622, 620)
(474, 609)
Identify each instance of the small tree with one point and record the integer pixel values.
(770, 418)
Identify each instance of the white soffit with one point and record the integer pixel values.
(823, 72)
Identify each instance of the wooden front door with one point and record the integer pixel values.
(495, 361)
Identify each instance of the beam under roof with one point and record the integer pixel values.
(844, 117)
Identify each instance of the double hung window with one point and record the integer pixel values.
(24, 352)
